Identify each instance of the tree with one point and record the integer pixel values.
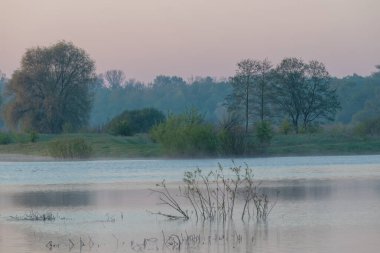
(115, 78)
(51, 89)
(371, 108)
(3, 81)
(302, 90)
(263, 78)
(250, 89)
(240, 100)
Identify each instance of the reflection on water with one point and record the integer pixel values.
(53, 199)
(310, 215)
(321, 206)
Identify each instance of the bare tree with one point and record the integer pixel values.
(115, 78)
(263, 78)
(241, 98)
(250, 88)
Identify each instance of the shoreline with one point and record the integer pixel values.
(16, 157)
(24, 158)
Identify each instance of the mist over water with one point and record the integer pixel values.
(325, 204)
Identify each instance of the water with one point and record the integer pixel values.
(37, 173)
(325, 204)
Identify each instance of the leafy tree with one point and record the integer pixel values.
(303, 92)
(371, 108)
(321, 102)
(51, 89)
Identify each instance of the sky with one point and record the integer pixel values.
(191, 38)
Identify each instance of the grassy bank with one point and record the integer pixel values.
(323, 144)
(140, 146)
(103, 146)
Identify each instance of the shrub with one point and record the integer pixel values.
(70, 149)
(232, 141)
(369, 127)
(285, 127)
(263, 131)
(136, 121)
(186, 134)
(33, 136)
(5, 138)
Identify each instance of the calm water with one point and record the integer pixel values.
(325, 204)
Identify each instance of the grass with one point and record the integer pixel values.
(323, 144)
(140, 146)
(104, 146)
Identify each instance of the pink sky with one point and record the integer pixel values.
(196, 37)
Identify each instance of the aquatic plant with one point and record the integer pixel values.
(213, 196)
(35, 216)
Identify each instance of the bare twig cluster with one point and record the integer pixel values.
(35, 216)
(213, 196)
(166, 198)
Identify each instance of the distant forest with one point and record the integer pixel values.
(359, 96)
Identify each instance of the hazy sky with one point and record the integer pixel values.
(196, 37)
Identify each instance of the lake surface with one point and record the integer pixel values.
(325, 204)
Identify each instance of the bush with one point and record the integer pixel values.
(70, 149)
(232, 138)
(33, 136)
(186, 134)
(5, 138)
(136, 121)
(264, 132)
(368, 128)
(285, 127)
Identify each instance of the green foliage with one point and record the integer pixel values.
(135, 121)
(5, 138)
(165, 93)
(250, 90)
(33, 136)
(186, 134)
(357, 96)
(285, 127)
(50, 89)
(68, 128)
(369, 127)
(232, 142)
(232, 139)
(264, 132)
(70, 149)
(302, 91)
(311, 129)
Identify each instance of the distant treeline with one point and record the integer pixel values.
(48, 94)
(169, 94)
(359, 97)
